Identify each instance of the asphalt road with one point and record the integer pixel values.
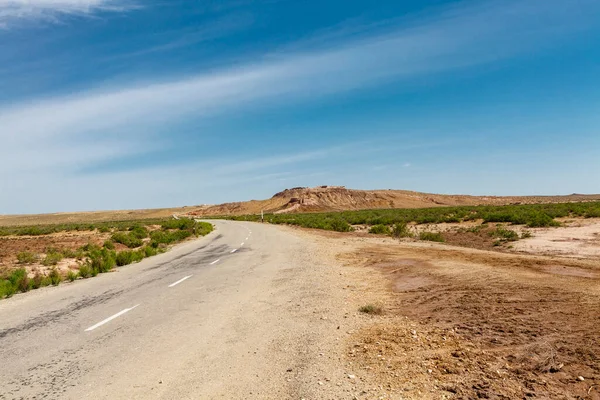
(236, 314)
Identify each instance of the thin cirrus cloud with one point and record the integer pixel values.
(455, 39)
(13, 11)
(459, 37)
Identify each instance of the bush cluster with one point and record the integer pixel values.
(129, 257)
(532, 215)
(18, 281)
(180, 224)
(98, 259)
(168, 237)
(431, 236)
(27, 257)
(103, 227)
(400, 230)
(53, 257)
(372, 309)
(128, 239)
(380, 229)
(504, 234)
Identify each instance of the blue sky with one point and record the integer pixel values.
(110, 104)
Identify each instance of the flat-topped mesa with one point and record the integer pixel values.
(303, 190)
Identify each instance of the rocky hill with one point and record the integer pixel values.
(338, 198)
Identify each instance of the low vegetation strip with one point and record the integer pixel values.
(141, 239)
(103, 227)
(532, 215)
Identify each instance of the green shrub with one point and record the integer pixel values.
(592, 213)
(109, 245)
(102, 260)
(400, 230)
(36, 281)
(79, 253)
(27, 257)
(526, 235)
(128, 257)
(476, 228)
(157, 237)
(431, 236)
(380, 229)
(138, 231)
(203, 228)
(339, 225)
(32, 231)
(16, 275)
(71, 275)
(538, 220)
(85, 271)
(168, 237)
(24, 284)
(181, 224)
(150, 251)
(505, 234)
(90, 247)
(128, 239)
(54, 276)
(6, 288)
(19, 281)
(52, 258)
(371, 309)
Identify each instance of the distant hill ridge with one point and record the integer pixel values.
(295, 200)
(339, 198)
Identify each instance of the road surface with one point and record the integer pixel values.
(246, 312)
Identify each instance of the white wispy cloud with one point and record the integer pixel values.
(459, 37)
(12, 11)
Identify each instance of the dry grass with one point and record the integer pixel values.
(371, 309)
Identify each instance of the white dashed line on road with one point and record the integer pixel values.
(234, 250)
(242, 245)
(117, 315)
(214, 262)
(179, 281)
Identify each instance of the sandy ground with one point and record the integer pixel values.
(466, 323)
(10, 246)
(579, 238)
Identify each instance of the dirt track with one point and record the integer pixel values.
(466, 323)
